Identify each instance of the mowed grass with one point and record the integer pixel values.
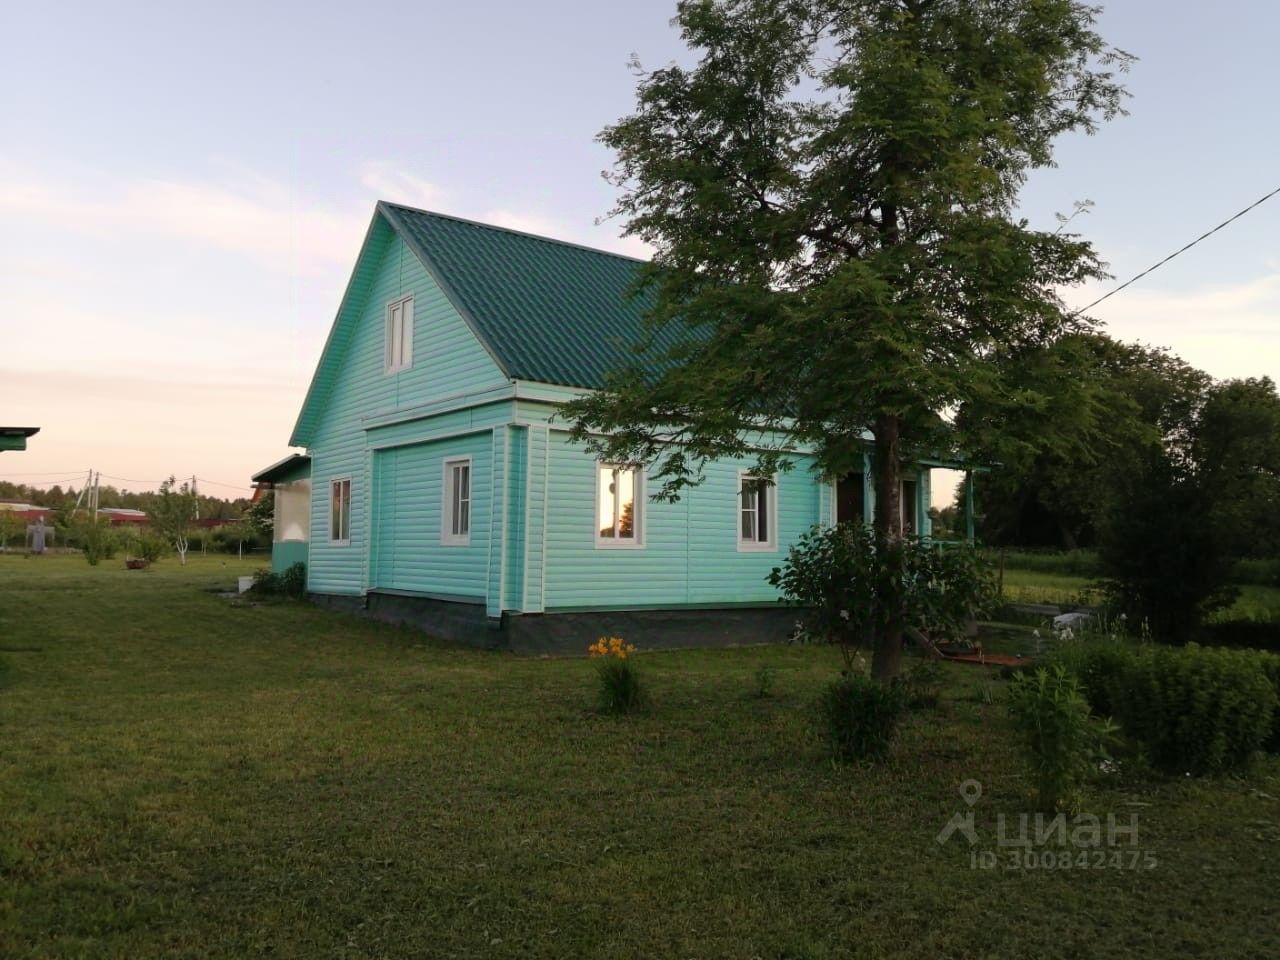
(181, 776)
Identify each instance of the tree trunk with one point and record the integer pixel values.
(886, 660)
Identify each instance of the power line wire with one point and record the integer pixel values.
(1157, 266)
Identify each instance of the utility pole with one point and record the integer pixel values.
(88, 482)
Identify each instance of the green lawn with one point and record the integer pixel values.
(181, 776)
(1034, 586)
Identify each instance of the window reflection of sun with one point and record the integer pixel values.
(615, 518)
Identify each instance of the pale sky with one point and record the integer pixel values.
(184, 188)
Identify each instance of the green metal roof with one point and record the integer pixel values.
(548, 311)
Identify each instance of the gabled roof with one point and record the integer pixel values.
(547, 311)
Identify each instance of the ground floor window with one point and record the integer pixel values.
(618, 505)
(757, 502)
(456, 517)
(340, 510)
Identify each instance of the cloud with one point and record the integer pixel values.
(399, 186)
(1227, 330)
(252, 216)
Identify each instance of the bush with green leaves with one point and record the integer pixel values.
(861, 716)
(1098, 664)
(1269, 664)
(1060, 738)
(98, 541)
(1195, 710)
(291, 583)
(841, 579)
(150, 547)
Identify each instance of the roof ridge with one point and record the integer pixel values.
(519, 233)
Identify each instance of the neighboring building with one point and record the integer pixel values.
(443, 489)
(290, 480)
(15, 438)
(123, 516)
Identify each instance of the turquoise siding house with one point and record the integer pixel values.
(442, 489)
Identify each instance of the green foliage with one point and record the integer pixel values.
(831, 194)
(172, 512)
(97, 540)
(1059, 737)
(1195, 710)
(1165, 553)
(1104, 403)
(11, 528)
(1269, 664)
(1259, 571)
(261, 514)
(846, 585)
(618, 685)
(150, 546)
(1099, 665)
(861, 716)
(291, 583)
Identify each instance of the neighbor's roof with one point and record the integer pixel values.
(291, 467)
(547, 311)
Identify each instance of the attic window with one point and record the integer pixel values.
(399, 335)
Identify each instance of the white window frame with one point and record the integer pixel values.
(770, 543)
(334, 540)
(636, 541)
(391, 362)
(447, 536)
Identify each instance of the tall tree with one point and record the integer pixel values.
(1104, 403)
(830, 192)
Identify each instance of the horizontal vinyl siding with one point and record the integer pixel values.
(409, 491)
(447, 361)
(690, 552)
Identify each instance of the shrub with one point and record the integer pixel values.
(1059, 737)
(1097, 665)
(150, 546)
(291, 583)
(619, 682)
(1269, 663)
(1195, 710)
(846, 584)
(98, 541)
(861, 716)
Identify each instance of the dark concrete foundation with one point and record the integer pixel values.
(559, 634)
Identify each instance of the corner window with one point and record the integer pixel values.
(455, 518)
(399, 335)
(619, 493)
(340, 510)
(757, 511)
